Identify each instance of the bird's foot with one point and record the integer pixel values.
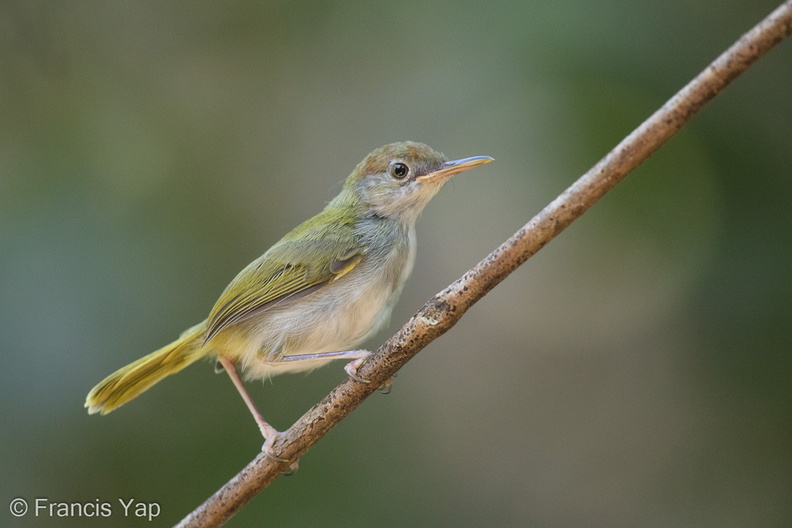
(352, 367)
(270, 438)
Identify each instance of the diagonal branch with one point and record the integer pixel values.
(447, 307)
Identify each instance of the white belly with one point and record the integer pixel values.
(335, 318)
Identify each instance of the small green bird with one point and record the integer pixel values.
(312, 297)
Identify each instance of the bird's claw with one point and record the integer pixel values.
(266, 449)
(386, 387)
(351, 369)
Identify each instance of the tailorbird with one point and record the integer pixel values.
(317, 293)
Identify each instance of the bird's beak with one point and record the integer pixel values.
(450, 168)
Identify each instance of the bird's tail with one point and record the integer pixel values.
(128, 382)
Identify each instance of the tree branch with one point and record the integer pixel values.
(447, 307)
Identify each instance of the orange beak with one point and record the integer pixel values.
(451, 168)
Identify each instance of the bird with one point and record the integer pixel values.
(317, 293)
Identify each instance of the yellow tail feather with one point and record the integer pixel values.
(130, 381)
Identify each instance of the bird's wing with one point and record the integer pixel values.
(302, 262)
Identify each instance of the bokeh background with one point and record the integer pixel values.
(636, 372)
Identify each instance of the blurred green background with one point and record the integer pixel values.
(636, 372)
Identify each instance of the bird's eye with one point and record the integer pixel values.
(399, 170)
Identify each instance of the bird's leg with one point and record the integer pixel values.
(269, 433)
(351, 368)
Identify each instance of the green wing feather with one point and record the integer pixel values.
(313, 254)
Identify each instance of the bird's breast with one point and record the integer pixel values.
(336, 317)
